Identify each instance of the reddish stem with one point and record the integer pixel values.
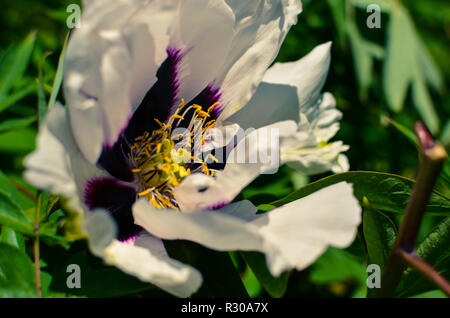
(432, 158)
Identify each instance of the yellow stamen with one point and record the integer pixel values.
(213, 106)
(143, 193)
(176, 117)
(202, 113)
(159, 159)
(212, 157)
(159, 123)
(181, 104)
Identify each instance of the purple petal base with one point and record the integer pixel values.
(117, 198)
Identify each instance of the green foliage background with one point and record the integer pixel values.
(384, 80)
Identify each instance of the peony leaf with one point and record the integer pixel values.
(16, 273)
(400, 58)
(275, 286)
(386, 192)
(433, 250)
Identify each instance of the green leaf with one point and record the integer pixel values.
(251, 283)
(220, 278)
(18, 141)
(266, 186)
(338, 12)
(337, 265)
(24, 201)
(12, 215)
(404, 130)
(400, 58)
(13, 238)
(16, 123)
(275, 286)
(434, 250)
(430, 70)
(265, 207)
(431, 294)
(8, 235)
(379, 235)
(58, 76)
(363, 59)
(97, 279)
(386, 192)
(384, 5)
(445, 137)
(16, 96)
(16, 273)
(42, 103)
(14, 66)
(46, 280)
(374, 50)
(7, 187)
(423, 103)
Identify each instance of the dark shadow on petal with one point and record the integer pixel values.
(115, 160)
(159, 100)
(157, 103)
(118, 199)
(206, 98)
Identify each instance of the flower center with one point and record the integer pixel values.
(163, 158)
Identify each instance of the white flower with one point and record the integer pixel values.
(128, 72)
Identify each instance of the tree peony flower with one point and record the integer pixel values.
(136, 73)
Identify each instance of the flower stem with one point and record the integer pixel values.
(23, 190)
(432, 158)
(425, 269)
(36, 253)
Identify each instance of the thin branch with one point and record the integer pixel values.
(425, 269)
(432, 158)
(37, 268)
(23, 190)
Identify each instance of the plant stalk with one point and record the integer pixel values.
(37, 269)
(415, 262)
(432, 158)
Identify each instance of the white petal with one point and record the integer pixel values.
(271, 103)
(309, 150)
(203, 31)
(57, 164)
(152, 243)
(148, 36)
(291, 236)
(292, 91)
(302, 230)
(242, 209)
(257, 153)
(317, 159)
(307, 74)
(321, 119)
(286, 90)
(219, 136)
(146, 259)
(49, 165)
(261, 26)
(168, 274)
(110, 64)
(214, 230)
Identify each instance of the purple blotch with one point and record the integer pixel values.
(117, 198)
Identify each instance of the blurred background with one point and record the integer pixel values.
(384, 80)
